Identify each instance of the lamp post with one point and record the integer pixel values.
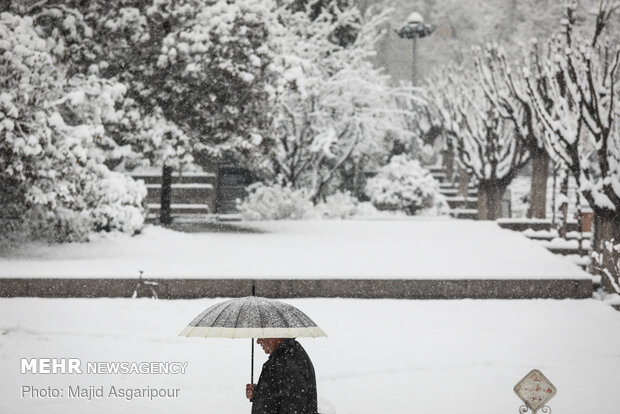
(415, 28)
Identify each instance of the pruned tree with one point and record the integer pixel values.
(507, 91)
(583, 123)
(485, 142)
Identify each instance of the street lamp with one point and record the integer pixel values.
(413, 29)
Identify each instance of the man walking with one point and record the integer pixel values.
(287, 384)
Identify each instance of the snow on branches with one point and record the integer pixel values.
(582, 123)
(332, 106)
(506, 89)
(219, 76)
(51, 129)
(403, 185)
(485, 141)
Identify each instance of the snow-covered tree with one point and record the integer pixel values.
(202, 66)
(118, 40)
(142, 138)
(583, 122)
(332, 106)
(507, 90)
(219, 74)
(52, 168)
(484, 140)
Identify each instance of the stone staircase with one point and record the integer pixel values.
(193, 195)
(576, 247)
(461, 206)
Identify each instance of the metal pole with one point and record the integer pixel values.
(414, 144)
(252, 342)
(165, 215)
(414, 73)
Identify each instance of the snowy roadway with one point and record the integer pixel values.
(423, 248)
(381, 356)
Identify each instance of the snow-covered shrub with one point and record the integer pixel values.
(342, 205)
(338, 205)
(275, 202)
(404, 185)
(108, 201)
(281, 202)
(428, 155)
(119, 203)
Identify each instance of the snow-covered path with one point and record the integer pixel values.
(381, 356)
(377, 249)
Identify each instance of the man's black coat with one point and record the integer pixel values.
(287, 384)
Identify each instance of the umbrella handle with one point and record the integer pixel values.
(252, 367)
(252, 341)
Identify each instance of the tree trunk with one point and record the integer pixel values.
(564, 205)
(538, 189)
(448, 159)
(607, 229)
(463, 182)
(490, 195)
(359, 179)
(553, 199)
(165, 216)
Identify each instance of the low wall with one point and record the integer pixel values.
(294, 288)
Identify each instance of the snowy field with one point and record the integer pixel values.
(415, 249)
(381, 356)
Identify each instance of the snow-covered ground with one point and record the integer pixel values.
(381, 356)
(417, 249)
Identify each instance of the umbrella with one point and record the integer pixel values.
(252, 317)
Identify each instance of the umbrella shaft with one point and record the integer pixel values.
(252, 367)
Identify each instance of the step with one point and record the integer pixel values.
(229, 217)
(436, 169)
(534, 224)
(179, 209)
(194, 193)
(440, 176)
(548, 235)
(462, 202)
(228, 208)
(563, 251)
(185, 178)
(455, 186)
(581, 261)
(464, 213)
(454, 192)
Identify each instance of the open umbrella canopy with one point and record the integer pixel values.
(252, 317)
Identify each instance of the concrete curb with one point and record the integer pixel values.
(300, 288)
